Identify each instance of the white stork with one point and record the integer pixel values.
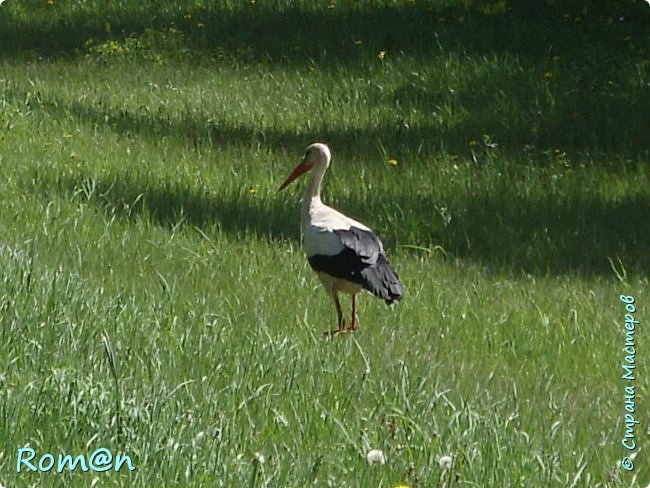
(345, 254)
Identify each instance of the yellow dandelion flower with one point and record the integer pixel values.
(200, 25)
(402, 486)
(393, 162)
(252, 190)
(50, 2)
(67, 136)
(381, 55)
(472, 143)
(548, 75)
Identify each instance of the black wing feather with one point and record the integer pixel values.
(361, 261)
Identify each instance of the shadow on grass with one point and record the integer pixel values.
(500, 232)
(173, 204)
(553, 237)
(326, 32)
(613, 127)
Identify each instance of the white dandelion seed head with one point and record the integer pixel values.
(259, 458)
(376, 456)
(445, 462)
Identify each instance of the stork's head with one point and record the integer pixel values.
(316, 155)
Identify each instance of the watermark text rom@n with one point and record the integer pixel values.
(100, 460)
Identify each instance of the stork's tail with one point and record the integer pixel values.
(382, 281)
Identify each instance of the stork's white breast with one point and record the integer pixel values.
(318, 227)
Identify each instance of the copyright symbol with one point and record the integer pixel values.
(101, 460)
(626, 462)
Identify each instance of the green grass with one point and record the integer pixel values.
(154, 298)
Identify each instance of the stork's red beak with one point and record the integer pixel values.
(302, 167)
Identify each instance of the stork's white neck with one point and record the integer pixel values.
(312, 192)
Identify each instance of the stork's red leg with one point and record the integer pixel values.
(342, 328)
(353, 324)
(339, 311)
(339, 315)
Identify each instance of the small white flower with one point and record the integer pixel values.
(198, 438)
(259, 458)
(445, 462)
(376, 456)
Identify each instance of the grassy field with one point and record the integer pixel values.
(154, 297)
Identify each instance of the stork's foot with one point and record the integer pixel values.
(340, 330)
